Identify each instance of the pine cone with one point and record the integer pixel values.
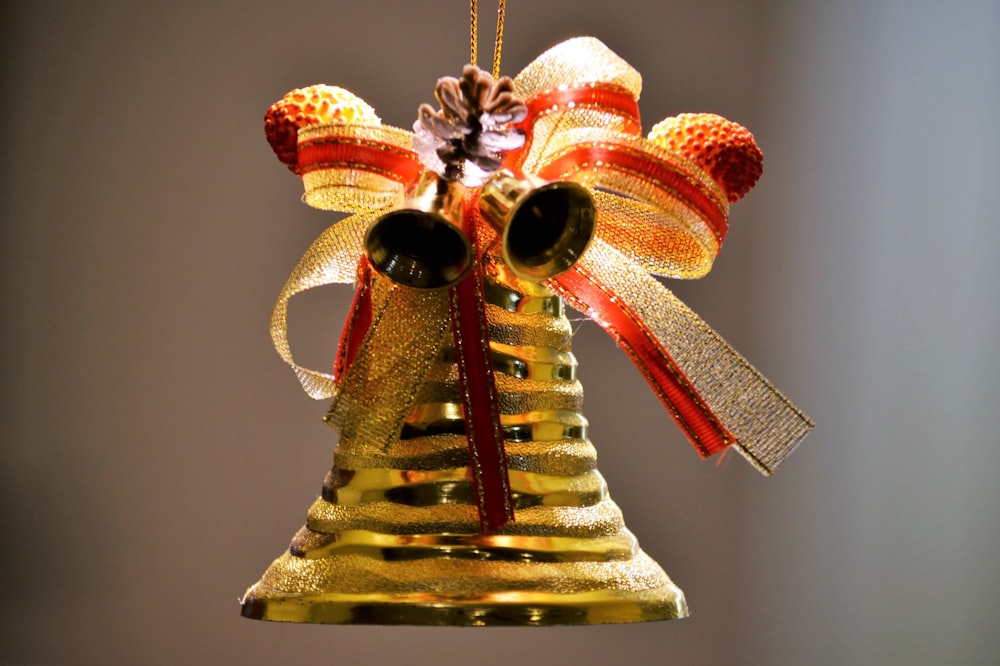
(473, 125)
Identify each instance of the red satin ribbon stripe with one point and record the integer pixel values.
(385, 159)
(488, 460)
(586, 293)
(606, 97)
(664, 175)
(358, 322)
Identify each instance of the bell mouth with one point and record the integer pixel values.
(548, 230)
(418, 249)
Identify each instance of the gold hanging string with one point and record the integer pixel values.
(474, 30)
(498, 44)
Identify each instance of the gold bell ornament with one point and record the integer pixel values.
(464, 489)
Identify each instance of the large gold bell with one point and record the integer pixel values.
(395, 539)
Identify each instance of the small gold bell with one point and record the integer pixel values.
(422, 244)
(545, 226)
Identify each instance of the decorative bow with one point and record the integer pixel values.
(658, 212)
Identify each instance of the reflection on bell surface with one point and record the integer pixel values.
(395, 539)
(545, 226)
(422, 244)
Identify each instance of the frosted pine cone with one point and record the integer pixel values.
(465, 140)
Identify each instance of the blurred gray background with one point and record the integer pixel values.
(157, 454)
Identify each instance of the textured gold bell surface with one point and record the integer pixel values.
(394, 538)
(422, 244)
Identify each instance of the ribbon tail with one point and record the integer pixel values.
(359, 321)
(408, 328)
(331, 259)
(712, 392)
(487, 457)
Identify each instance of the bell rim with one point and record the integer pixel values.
(441, 224)
(666, 602)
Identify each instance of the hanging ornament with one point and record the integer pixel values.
(464, 488)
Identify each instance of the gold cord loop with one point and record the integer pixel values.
(498, 44)
(474, 30)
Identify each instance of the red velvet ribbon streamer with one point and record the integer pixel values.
(358, 321)
(585, 292)
(487, 458)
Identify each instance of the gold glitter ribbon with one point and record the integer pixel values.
(364, 170)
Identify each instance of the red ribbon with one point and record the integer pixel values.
(602, 96)
(358, 321)
(586, 293)
(391, 161)
(487, 458)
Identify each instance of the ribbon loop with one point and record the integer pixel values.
(480, 403)
(355, 168)
(574, 61)
(578, 83)
(656, 205)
